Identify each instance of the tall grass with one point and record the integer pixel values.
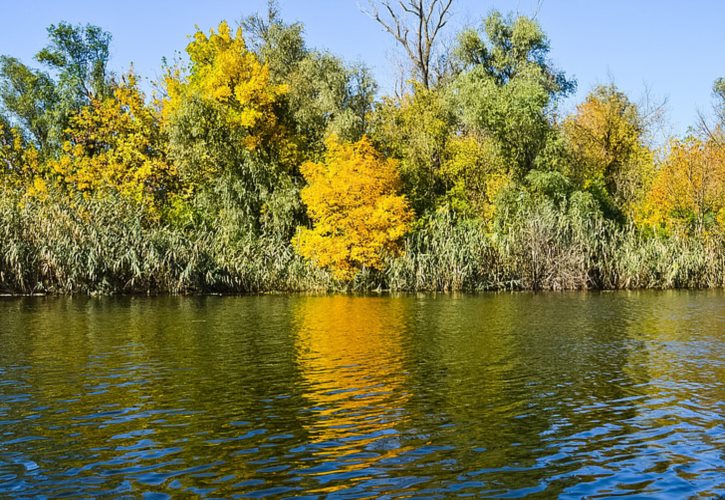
(108, 246)
(548, 247)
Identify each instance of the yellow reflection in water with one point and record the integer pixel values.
(350, 354)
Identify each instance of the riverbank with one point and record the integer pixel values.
(110, 247)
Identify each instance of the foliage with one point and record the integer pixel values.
(688, 191)
(324, 96)
(415, 130)
(265, 164)
(606, 139)
(226, 76)
(115, 145)
(42, 104)
(358, 216)
(19, 160)
(510, 47)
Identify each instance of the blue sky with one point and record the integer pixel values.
(673, 47)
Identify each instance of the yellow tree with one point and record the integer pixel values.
(19, 160)
(114, 145)
(605, 136)
(358, 216)
(226, 75)
(689, 189)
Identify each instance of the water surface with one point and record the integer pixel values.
(509, 395)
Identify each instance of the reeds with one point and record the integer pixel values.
(107, 246)
(110, 246)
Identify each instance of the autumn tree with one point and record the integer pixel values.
(357, 215)
(688, 191)
(19, 160)
(115, 145)
(224, 118)
(226, 76)
(606, 138)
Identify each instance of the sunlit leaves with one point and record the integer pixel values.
(114, 144)
(225, 74)
(605, 138)
(689, 189)
(358, 216)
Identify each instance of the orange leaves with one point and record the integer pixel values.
(353, 202)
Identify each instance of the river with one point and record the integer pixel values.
(492, 395)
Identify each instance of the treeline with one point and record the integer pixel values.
(261, 164)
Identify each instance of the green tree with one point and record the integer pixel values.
(507, 47)
(30, 97)
(77, 59)
(506, 87)
(79, 56)
(324, 95)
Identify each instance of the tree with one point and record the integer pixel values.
(19, 160)
(506, 88)
(515, 115)
(416, 25)
(115, 145)
(224, 117)
(688, 191)
(230, 78)
(357, 215)
(415, 129)
(325, 96)
(509, 47)
(30, 97)
(606, 138)
(77, 57)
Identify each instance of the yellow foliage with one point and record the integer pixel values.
(474, 171)
(689, 188)
(353, 202)
(605, 136)
(19, 161)
(225, 73)
(115, 145)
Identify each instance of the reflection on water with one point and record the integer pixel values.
(350, 355)
(575, 395)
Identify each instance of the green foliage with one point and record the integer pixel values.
(79, 56)
(324, 95)
(30, 97)
(508, 47)
(415, 130)
(514, 114)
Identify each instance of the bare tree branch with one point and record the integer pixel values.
(428, 16)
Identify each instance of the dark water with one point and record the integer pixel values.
(572, 395)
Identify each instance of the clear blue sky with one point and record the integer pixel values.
(674, 47)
